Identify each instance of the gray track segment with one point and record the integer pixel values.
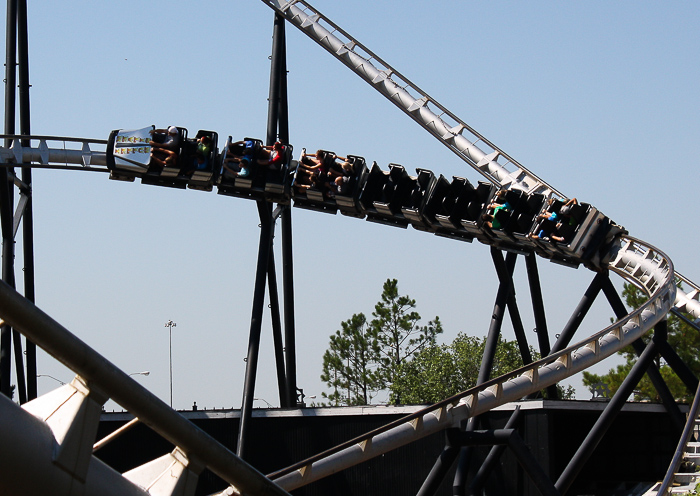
(490, 161)
(634, 260)
(54, 430)
(416, 103)
(73, 151)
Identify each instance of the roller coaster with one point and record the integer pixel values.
(511, 209)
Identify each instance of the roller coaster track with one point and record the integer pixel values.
(60, 426)
(634, 260)
(491, 162)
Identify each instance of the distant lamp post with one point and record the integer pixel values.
(266, 402)
(145, 372)
(51, 377)
(170, 324)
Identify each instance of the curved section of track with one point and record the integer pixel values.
(491, 162)
(634, 260)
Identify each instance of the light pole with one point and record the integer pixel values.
(170, 324)
(51, 377)
(266, 402)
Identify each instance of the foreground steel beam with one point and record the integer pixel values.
(94, 369)
(27, 466)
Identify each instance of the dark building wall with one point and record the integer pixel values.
(638, 448)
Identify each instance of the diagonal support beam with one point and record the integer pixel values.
(267, 227)
(568, 476)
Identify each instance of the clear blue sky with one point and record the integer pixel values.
(598, 98)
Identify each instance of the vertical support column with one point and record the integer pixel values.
(28, 216)
(6, 214)
(10, 67)
(287, 252)
(265, 267)
(504, 290)
(277, 329)
(506, 278)
(289, 325)
(533, 278)
(278, 128)
(273, 106)
(251, 369)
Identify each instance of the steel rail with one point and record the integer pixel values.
(92, 367)
(411, 99)
(45, 155)
(633, 260)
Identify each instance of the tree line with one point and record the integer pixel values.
(392, 353)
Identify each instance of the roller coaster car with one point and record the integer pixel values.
(415, 204)
(518, 222)
(232, 181)
(277, 180)
(385, 193)
(584, 235)
(348, 200)
(199, 160)
(129, 153)
(446, 205)
(173, 176)
(261, 181)
(323, 194)
(309, 187)
(473, 207)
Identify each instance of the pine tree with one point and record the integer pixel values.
(398, 333)
(350, 365)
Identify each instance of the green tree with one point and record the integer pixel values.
(396, 324)
(683, 338)
(350, 365)
(363, 357)
(440, 371)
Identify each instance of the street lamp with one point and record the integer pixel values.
(145, 372)
(51, 377)
(266, 402)
(171, 324)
